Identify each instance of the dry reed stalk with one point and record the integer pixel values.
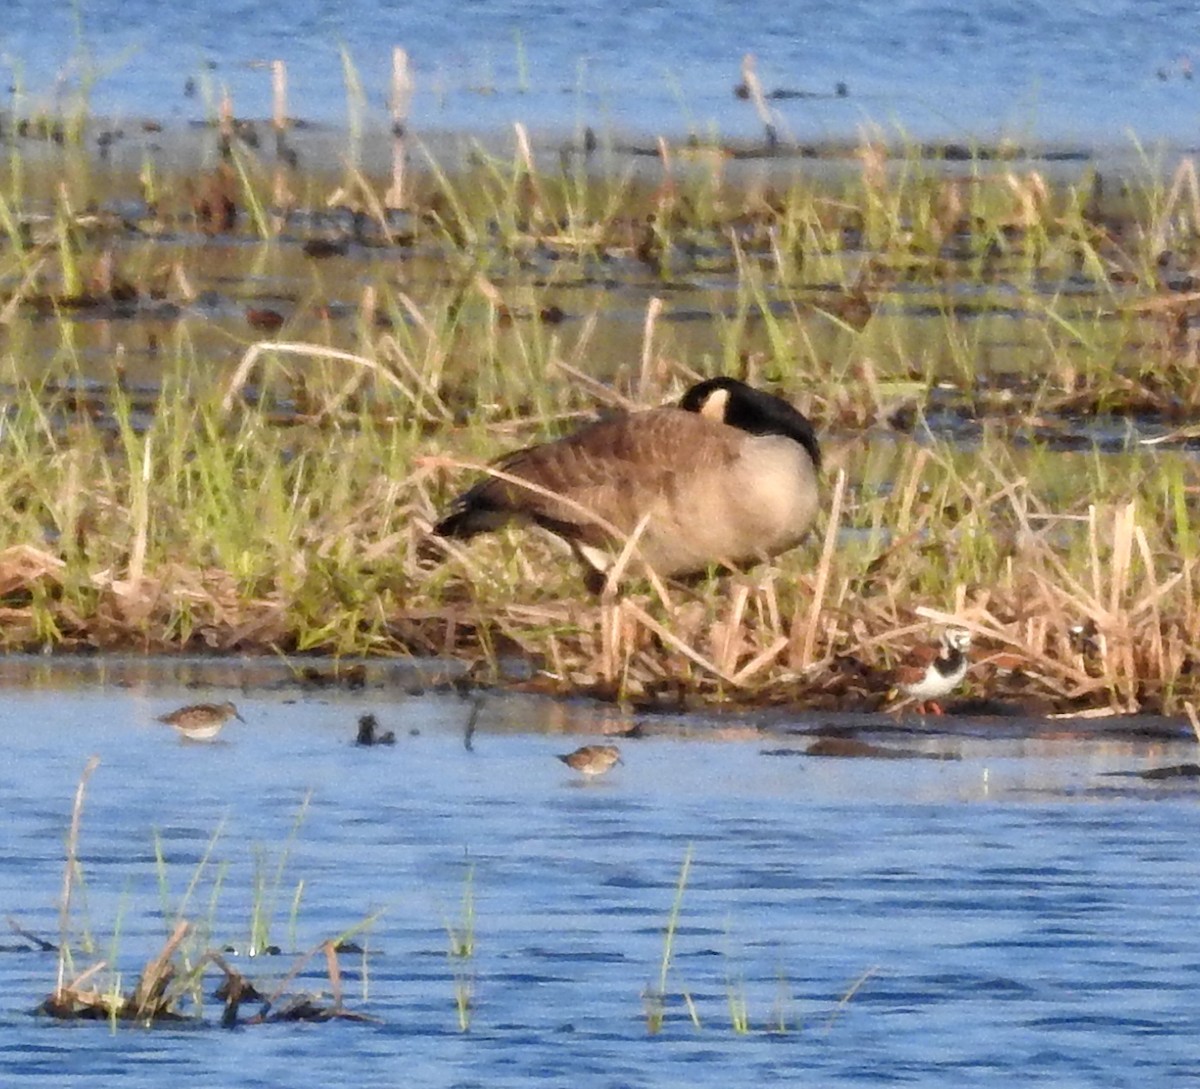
(1122, 555)
(297, 967)
(617, 572)
(1193, 718)
(728, 636)
(1032, 196)
(853, 989)
(1170, 301)
(524, 148)
(669, 637)
(313, 351)
(427, 380)
(873, 156)
(1089, 713)
(42, 945)
(329, 949)
(761, 660)
(620, 640)
(653, 310)
(401, 97)
(755, 92)
(279, 95)
(1184, 179)
(225, 124)
(147, 996)
(140, 515)
(529, 188)
(610, 640)
(598, 391)
(866, 371)
(770, 599)
(31, 278)
(801, 662)
(279, 120)
(1149, 603)
(665, 197)
(986, 626)
(64, 908)
(83, 977)
(334, 969)
(908, 494)
(557, 662)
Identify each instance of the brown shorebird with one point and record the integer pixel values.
(201, 721)
(592, 759)
(929, 672)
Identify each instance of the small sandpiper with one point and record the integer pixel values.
(929, 672)
(592, 760)
(201, 721)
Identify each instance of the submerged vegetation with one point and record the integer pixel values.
(235, 397)
(207, 957)
(171, 985)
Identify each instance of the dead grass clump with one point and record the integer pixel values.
(173, 977)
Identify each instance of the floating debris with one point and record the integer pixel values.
(367, 725)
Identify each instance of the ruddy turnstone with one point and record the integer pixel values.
(930, 672)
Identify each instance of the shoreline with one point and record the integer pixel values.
(327, 149)
(779, 716)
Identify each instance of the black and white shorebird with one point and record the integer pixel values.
(727, 476)
(929, 672)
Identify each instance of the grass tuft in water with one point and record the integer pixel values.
(654, 997)
(176, 972)
(461, 951)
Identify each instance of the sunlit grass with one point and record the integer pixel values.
(947, 329)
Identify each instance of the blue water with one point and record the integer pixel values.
(1012, 917)
(1074, 71)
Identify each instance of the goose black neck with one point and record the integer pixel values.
(755, 412)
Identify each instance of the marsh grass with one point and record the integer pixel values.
(176, 973)
(655, 996)
(461, 951)
(956, 333)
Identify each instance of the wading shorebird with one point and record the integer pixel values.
(727, 476)
(201, 721)
(592, 760)
(930, 672)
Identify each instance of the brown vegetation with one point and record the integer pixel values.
(1003, 367)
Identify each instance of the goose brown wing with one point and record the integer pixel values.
(615, 468)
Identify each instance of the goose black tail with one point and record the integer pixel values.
(466, 520)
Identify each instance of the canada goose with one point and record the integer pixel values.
(929, 672)
(727, 476)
